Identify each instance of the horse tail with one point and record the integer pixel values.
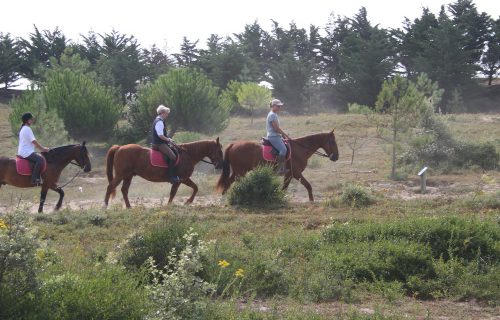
(223, 182)
(110, 157)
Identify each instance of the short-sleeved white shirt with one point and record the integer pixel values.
(159, 126)
(26, 145)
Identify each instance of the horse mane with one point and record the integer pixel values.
(55, 154)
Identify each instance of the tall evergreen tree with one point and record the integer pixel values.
(189, 53)
(491, 59)
(10, 60)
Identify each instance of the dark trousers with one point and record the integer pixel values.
(169, 156)
(38, 160)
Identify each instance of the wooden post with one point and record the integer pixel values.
(423, 179)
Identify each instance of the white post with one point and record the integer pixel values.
(423, 178)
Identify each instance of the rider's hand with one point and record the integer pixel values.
(45, 149)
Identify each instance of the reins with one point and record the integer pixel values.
(181, 149)
(319, 153)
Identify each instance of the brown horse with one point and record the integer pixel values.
(243, 156)
(57, 159)
(132, 159)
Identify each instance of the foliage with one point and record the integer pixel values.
(356, 196)
(105, 292)
(258, 188)
(192, 98)
(405, 104)
(252, 96)
(187, 136)
(10, 60)
(87, 108)
(156, 242)
(355, 108)
(48, 126)
(176, 291)
(18, 264)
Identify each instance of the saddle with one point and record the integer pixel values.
(25, 167)
(269, 152)
(157, 159)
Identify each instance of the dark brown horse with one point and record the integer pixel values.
(132, 159)
(57, 159)
(243, 156)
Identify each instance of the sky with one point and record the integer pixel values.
(164, 23)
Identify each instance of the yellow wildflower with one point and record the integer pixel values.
(3, 224)
(239, 273)
(223, 264)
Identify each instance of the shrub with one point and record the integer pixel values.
(228, 99)
(251, 96)
(48, 127)
(191, 96)
(358, 109)
(259, 188)
(156, 242)
(176, 291)
(356, 196)
(446, 236)
(18, 264)
(106, 292)
(87, 108)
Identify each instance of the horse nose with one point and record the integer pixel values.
(218, 165)
(87, 168)
(334, 157)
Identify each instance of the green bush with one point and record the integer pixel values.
(358, 109)
(101, 293)
(191, 97)
(87, 108)
(48, 127)
(258, 188)
(483, 155)
(483, 201)
(356, 196)
(446, 236)
(156, 241)
(176, 291)
(18, 264)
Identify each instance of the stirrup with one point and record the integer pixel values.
(175, 179)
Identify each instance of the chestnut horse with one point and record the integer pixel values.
(57, 159)
(243, 156)
(132, 159)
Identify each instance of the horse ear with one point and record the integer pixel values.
(83, 143)
(333, 130)
(217, 140)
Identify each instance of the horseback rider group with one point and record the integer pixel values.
(160, 141)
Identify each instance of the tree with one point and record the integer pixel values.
(252, 96)
(491, 58)
(157, 62)
(404, 104)
(38, 50)
(10, 60)
(189, 53)
(367, 57)
(192, 98)
(88, 109)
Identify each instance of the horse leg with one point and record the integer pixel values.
(125, 187)
(111, 187)
(287, 180)
(307, 185)
(231, 180)
(43, 196)
(193, 185)
(61, 197)
(173, 191)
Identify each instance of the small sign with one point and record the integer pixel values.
(424, 169)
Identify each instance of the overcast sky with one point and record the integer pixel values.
(164, 22)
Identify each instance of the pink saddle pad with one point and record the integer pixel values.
(24, 167)
(269, 156)
(157, 159)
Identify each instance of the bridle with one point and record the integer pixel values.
(316, 152)
(179, 149)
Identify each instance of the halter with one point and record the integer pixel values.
(76, 164)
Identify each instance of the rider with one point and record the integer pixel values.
(275, 134)
(161, 142)
(26, 149)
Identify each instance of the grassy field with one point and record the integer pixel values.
(288, 262)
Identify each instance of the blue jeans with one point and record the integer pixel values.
(38, 160)
(278, 143)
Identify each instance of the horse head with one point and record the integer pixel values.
(82, 157)
(215, 154)
(330, 146)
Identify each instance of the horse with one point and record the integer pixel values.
(243, 156)
(57, 159)
(130, 160)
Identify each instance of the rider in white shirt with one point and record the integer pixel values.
(27, 144)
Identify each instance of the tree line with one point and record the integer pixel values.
(345, 61)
